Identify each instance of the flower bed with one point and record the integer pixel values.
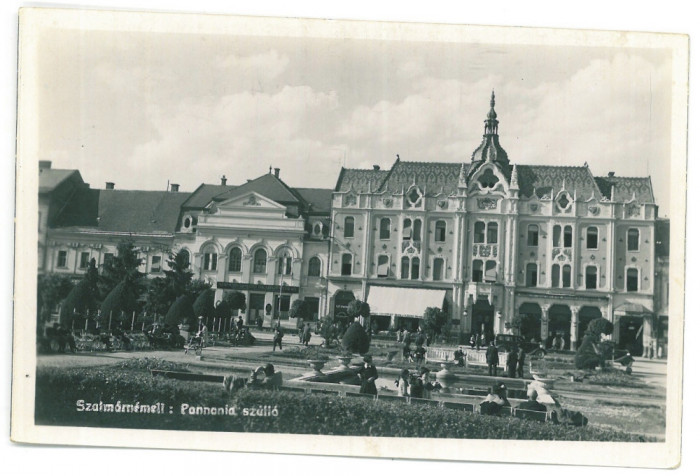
(58, 393)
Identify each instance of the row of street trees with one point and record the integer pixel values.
(121, 292)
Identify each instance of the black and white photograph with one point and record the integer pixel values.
(349, 238)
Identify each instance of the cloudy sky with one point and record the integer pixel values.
(140, 109)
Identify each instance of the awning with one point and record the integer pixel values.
(403, 301)
(631, 308)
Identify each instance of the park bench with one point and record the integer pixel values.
(530, 415)
(467, 407)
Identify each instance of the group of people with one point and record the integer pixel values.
(304, 333)
(263, 377)
(415, 385)
(407, 339)
(497, 399)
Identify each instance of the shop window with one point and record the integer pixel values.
(479, 232)
(591, 277)
(234, 260)
(440, 228)
(384, 229)
(438, 265)
(633, 239)
(349, 230)
(531, 275)
(533, 235)
(260, 262)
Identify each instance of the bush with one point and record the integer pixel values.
(356, 339)
(299, 310)
(204, 304)
(600, 326)
(357, 308)
(181, 312)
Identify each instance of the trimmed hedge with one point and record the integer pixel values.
(58, 392)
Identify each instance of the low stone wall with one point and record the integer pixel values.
(472, 356)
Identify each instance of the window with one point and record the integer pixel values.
(155, 264)
(210, 259)
(284, 264)
(349, 230)
(533, 235)
(415, 268)
(566, 276)
(555, 275)
(382, 266)
(633, 239)
(406, 232)
(187, 259)
(346, 268)
(592, 238)
(531, 275)
(405, 263)
(235, 258)
(84, 259)
(632, 280)
(62, 258)
(591, 277)
(417, 229)
(568, 234)
(492, 233)
(488, 179)
(490, 273)
(438, 265)
(314, 267)
(556, 236)
(477, 270)
(479, 232)
(384, 229)
(260, 261)
(108, 257)
(440, 228)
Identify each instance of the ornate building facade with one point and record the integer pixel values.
(552, 246)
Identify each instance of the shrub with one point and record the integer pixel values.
(204, 304)
(600, 326)
(299, 310)
(356, 339)
(181, 312)
(358, 308)
(587, 358)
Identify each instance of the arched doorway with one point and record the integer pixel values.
(529, 321)
(559, 324)
(585, 316)
(482, 318)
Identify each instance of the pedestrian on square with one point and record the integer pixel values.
(368, 375)
(402, 383)
(307, 334)
(277, 337)
(521, 361)
(492, 358)
(472, 341)
(203, 331)
(512, 362)
(428, 386)
(420, 354)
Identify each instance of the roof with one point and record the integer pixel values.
(627, 188)
(432, 177)
(49, 179)
(548, 180)
(268, 185)
(318, 199)
(135, 211)
(360, 179)
(204, 194)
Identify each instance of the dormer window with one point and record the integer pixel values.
(564, 201)
(488, 179)
(414, 197)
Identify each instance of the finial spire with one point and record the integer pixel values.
(493, 99)
(491, 123)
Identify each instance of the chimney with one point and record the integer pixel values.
(611, 174)
(375, 167)
(109, 186)
(223, 180)
(44, 164)
(277, 172)
(174, 187)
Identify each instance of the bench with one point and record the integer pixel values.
(423, 401)
(530, 415)
(467, 407)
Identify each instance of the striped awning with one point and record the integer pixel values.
(403, 301)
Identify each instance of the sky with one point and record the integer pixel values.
(145, 109)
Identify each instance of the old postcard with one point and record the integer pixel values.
(350, 238)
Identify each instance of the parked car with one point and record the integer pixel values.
(505, 341)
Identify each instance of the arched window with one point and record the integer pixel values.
(533, 235)
(568, 236)
(234, 260)
(384, 229)
(491, 271)
(591, 277)
(415, 268)
(417, 229)
(477, 271)
(349, 230)
(382, 266)
(260, 261)
(492, 233)
(185, 256)
(556, 236)
(555, 275)
(438, 265)
(314, 267)
(284, 264)
(209, 259)
(531, 275)
(406, 233)
(566, 276)
(440, 228)
(479, 232)
(633, 239)
(592, 238)
(632, 280)
(405, 263)
(346, 269)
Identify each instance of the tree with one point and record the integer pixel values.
(51, 290)
(124, 267)
(235, 300)
(299, 310)
(159, 297)
(357, 308)
(195, 287)
(181, 312)
(179, 276)
(356, 339)
(83, 297)
(434, 320)
(590, 353)
(599, 326)
(204, 304)
(121, 301)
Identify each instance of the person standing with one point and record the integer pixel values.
(512, 362)
(521, 361)
(277, 337)
(307, 334)
(368, 375)
(203, 331)
(402, 383)
(492, 358)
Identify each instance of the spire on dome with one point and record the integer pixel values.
(491, 123)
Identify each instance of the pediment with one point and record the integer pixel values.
(251, 201)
